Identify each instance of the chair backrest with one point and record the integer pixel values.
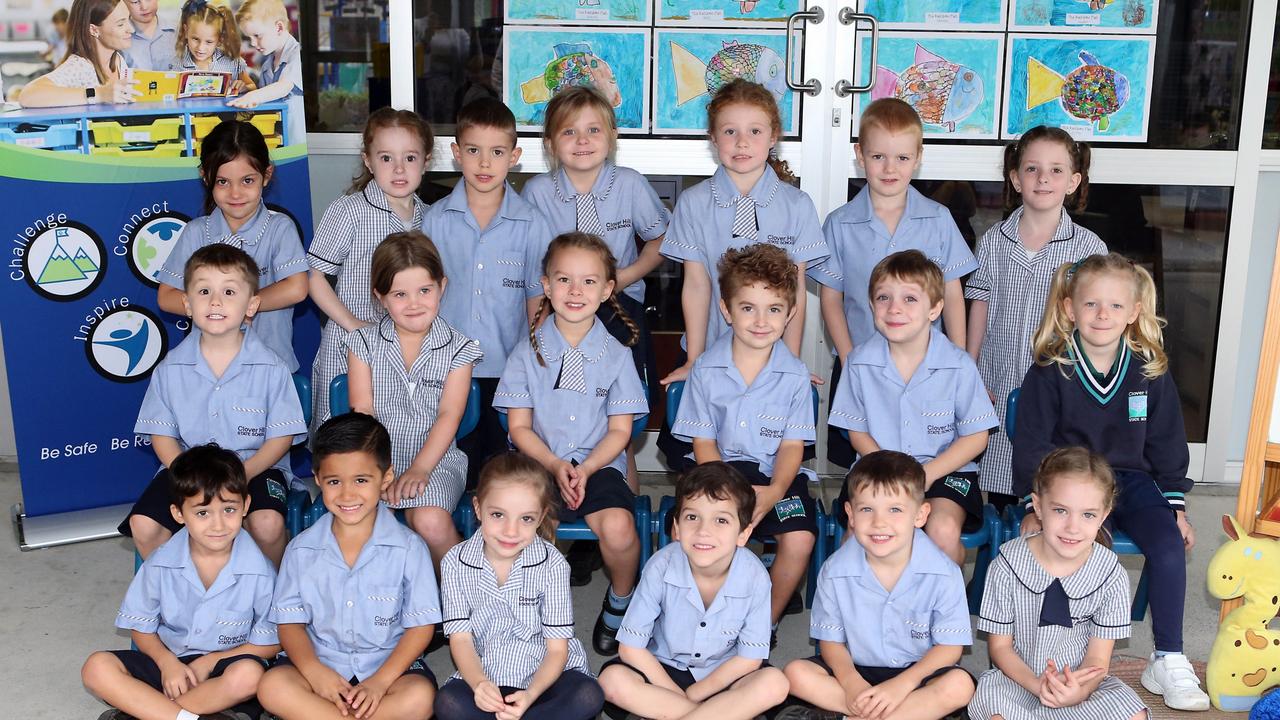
(340, 402)
(1011, 413)
(302, 384)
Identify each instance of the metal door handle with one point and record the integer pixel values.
(845, 88)
(809, 87)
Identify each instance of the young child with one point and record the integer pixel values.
(209, 40)
(509, 614)
(1101, 380)
(908, 388)
(235, 167)
(57, 37)
(747, 402)
(570, 395)
(886, 216)
(396, 149)
(749, 199)
(224, 385)
(357, 599)
(202, 647)
(1056, 602)
(492, 242)
(412, 371)
(696, 638)
(890, 616)
(153, 46)
(1049, 171)
(266, 24)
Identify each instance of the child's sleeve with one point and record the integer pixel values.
(420, 604)
(646, 605)
(848, 409)
(831, 271)
(825, 622)
(1166, 448)
(974, 412)
(557, 602)
(287, 605)
(686, 235)
(811, 244)
(957, 258)
(287, 257)
(800, 421)
(141, 607)
(980, 282)
(995, 617)
(753, 638)
(1038, 410)
(358, 345)
(626, 395)
(535, 247)
(454, 595)
(284, 410)
(513, 386)
(331, 243)
(696, 417)
(188, 242)
(263, 631)
(949, 621)
(649, 217)
(468, 353)
(1111, 620)
(155, 417)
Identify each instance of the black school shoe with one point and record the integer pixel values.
(603, 638)
(584, 559)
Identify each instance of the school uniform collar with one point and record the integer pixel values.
(290, 44)
(252, 352)
(941, 355)
(189, 62)
(440, 334)
(216, 228)
(1092, 576)
(1103, 388)
(246, 559)
(1066, 229)
(725, 193)
(553, 345)
(861, 210)
(387, 532)
(720, 355)
(472, 554)
(737, 583)
(513, 207)
(600, 190)
(374, 195)
(160, 31)
(926, 559)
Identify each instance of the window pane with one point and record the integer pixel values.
(1271, 123)
(348, 61)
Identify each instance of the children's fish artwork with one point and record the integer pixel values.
(951, 79)
(937, 14)
(555, 12)
(1094, 87)
(693, 64)
(539, 62)
(1090, 16)
(736, 13)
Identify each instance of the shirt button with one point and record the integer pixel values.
(217, 387)
(199, 631)
(742, 424)
(479, 266)
(697, 654)
(572, 446)
(349, 603)
(479, 292)
(573, 418)
(215, 413)
(702, 624)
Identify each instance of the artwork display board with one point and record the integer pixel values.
(937, 14)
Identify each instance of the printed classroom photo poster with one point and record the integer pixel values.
(1096, 87)
(558, 12)
(938, 14)
(694, 64)
(729, 13)
(539, 61)
(1087, 16)
(951, 79)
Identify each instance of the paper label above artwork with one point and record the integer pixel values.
(930, 14)
(725, 13)
(1136, 17)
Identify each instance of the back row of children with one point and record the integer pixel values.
(411, 348)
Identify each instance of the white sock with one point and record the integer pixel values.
(187, 715)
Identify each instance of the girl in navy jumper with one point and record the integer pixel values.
(1101, 380)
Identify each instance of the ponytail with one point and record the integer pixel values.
(544, 310)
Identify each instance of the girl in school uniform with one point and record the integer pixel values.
(749, 199)
(1101, 380)
(209, 40)
(1049, 171)
(383, 200)
(1055, 603)
(412, 371)
(507, 607)
(570, 395)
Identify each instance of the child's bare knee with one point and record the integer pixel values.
(771, 686)
(956, 688)
(97, 669)
(242, 679)
(266, 526)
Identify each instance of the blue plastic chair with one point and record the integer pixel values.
(1121, 544)
(297, 501)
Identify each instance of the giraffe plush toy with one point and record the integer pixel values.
(1245, 660)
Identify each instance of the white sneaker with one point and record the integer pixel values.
(1172, 677)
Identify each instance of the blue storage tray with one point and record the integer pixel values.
(59, 136)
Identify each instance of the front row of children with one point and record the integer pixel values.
(356, 603)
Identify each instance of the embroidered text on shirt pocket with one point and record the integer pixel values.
(768, 425)
(250, 421)
(381, 612)
(939, 419)
(528, 613)
(918, 632)
(510, 271)
(233, 627)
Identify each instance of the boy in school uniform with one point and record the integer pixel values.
(890, 615)
(153, 47)
(886, 216)
(357, 600)
(747, 403)
(197, 609)
(492, 242)
(266, 24)
(224, 385)
(695, 640)
(910, 389)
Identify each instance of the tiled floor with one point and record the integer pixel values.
(57, 605)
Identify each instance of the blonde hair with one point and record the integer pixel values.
(1079, 462)
(564, 108)
(219, 17)
(1145, 336)
(591, 243)
(891, 115)
(263, 11)
(744, 92)
(516, 468)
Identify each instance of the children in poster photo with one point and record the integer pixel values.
(209, 40)
(412, 371)
(235, 166)
(395, 151)
(266, 24)
(154, 46)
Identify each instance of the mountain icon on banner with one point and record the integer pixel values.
(61, 267)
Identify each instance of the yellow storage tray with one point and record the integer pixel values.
(202, 125)
(266, 124)
(111, 132)
(273, 142)
(163, 149)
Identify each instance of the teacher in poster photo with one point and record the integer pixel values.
(94, 69)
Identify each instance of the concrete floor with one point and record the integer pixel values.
(57, 605)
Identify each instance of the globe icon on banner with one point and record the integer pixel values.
(126, 344)
(65, 262)
(150, 244)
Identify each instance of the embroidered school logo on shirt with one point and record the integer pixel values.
(619, 225)
(790, 507)
(510, 283)
(782, 239)
(602, 392)
(1137, 406)
(275, 489)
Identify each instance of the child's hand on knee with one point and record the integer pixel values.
(489, 698)
(365, 697)
(878, 701)
(518, 703)
(177, 677)
(331, 686)
(410, 485)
